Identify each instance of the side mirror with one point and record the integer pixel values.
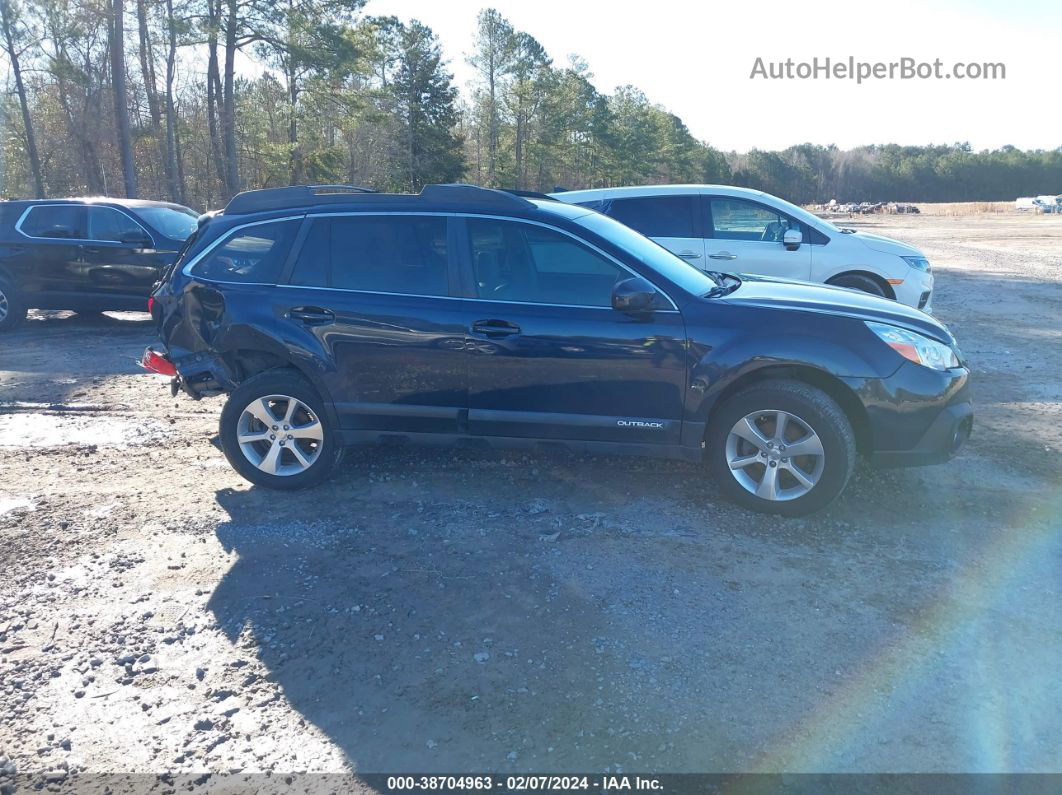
(138, 239)
(792, 239)
(634, 296)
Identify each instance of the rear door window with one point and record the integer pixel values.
(60, 221)
(253, 254)
(404, 254)
(654, 216)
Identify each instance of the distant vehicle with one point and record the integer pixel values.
(89, 255)
(1039, 204)
(470, 316)
(1049, 204)
(748, 231)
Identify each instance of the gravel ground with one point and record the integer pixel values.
(434, 610)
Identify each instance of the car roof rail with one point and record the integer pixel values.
(307, 195)
(529, 194)
(250, 201)
(457, 193)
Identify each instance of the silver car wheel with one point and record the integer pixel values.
(5, 307)
(280, 435)
(775, 455)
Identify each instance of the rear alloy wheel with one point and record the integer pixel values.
(280, 435)
(781, 447)
(12, 311)
(275, 433)
(856, 281)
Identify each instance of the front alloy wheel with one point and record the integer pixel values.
(775, 455)
(780, 446)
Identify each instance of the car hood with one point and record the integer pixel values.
(886, 245)
(822, 298)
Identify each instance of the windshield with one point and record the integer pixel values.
(645, 250)
(176, 224)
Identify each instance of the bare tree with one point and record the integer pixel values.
(173, 169)
(228, 97)
(121, 104)
(494, 52)
(7, 20)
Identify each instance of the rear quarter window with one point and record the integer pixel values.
(58, 221)
(253, 254)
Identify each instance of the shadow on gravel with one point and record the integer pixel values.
(417, 637)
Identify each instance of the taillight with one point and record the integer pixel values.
(157, 363)
(151, 304)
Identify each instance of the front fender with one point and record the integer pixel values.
(715, 368)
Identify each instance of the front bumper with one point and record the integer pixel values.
(916, 416)
(916, 290)
(941, 441)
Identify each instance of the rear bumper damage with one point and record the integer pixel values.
(197, 375)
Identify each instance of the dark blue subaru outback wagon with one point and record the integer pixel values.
(332, 315)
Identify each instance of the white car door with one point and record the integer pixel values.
(746, 237)
(670, 220)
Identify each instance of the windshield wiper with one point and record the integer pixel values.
(721, 285)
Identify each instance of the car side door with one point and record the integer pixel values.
(49, 256)
(375, 296)
(672, 221)
(120, 256)
(746, 237)
(548, 355)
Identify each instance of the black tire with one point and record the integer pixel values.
(856, 281)
(11, 300)
(289, 384)
(809, 405)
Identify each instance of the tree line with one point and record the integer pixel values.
(195, 100)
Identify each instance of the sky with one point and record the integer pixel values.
(696, 58)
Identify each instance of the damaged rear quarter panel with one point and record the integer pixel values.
(209, 345)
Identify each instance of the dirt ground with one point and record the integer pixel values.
(434, 610)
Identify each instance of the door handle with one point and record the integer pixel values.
(312, 315)
(723, 255)
(689, 255)
(495, 328)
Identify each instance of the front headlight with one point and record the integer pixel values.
(920, 350)
(918, 263)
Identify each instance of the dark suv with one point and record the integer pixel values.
(473, 316)
(85, 254)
